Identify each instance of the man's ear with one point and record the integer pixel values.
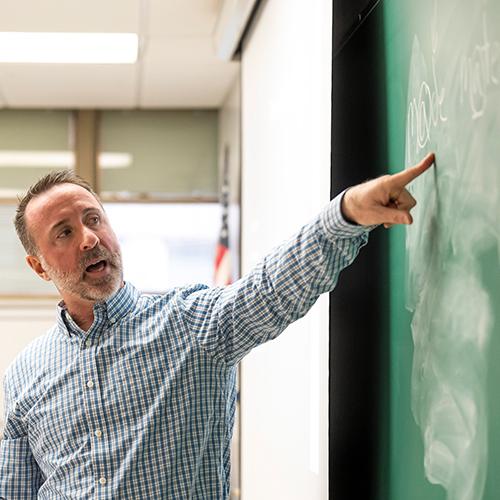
(36, 265)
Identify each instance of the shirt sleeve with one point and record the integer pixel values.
(20, 476)
(230, 321)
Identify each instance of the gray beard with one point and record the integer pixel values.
(74, 282)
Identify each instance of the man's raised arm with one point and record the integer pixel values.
(228, 322)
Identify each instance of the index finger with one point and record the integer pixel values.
(406, 176)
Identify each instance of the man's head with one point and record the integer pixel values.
(66, 234)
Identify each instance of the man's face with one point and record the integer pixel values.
(77, 249)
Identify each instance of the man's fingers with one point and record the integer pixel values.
(384, 200)
(405, 201)
(392, 216)
(397, 211)
(406, 176)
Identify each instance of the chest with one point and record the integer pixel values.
(122, 380)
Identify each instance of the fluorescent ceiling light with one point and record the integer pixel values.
(69, 48)
(59, 159)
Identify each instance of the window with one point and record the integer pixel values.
(155, 156)
(168, 244)
(165, 154)
(31, 144)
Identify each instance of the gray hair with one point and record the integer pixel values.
(47, 182)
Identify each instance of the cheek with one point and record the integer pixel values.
(110, 241)
(117, 249)
(67, 262)
(63, 262)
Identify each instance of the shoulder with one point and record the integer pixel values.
(173, 296)
(191, 299)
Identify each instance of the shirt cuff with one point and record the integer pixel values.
(334, 223)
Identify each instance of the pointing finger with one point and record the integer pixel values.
(406, 176)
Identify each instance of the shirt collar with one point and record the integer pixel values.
(115, 307)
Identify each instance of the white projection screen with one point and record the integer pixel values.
(286, 142)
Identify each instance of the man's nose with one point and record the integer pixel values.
(89, 239)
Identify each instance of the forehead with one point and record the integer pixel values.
(61, 201)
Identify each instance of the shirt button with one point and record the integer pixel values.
(90, 384)
(98, 433)
(102, 480)
(88, 342)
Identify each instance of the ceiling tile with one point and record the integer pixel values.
(184, 72)
(68, 86)
(182, 17)
(178, 66)
(70, 15)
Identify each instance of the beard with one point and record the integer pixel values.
(81, 283)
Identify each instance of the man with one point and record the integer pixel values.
(130, 396)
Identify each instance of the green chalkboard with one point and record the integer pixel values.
(443, 95)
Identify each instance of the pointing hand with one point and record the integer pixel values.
(384, 200)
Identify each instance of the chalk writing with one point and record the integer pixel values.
(452, 311)
(425, 108)
(478, 71)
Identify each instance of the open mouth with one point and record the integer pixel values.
(97, 267)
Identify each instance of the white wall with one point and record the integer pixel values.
(229, 136)
(286, 88)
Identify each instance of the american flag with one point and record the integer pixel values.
(222, 274)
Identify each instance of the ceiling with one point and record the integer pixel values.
(177, 65)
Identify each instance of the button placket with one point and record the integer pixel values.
(93, 404)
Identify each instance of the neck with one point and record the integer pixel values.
(81, 311)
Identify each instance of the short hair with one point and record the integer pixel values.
(52, 179)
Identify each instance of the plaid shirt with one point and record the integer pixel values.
(142, 405)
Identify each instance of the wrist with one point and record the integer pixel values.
(346, 208)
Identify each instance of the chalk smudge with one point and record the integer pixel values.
(454, 224)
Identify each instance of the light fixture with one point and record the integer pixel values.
(69, 48)
(59, 159)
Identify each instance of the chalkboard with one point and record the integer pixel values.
(443, 95)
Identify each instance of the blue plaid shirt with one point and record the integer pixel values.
(142, 405)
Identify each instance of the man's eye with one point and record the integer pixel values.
(95, 219)
(63, 234)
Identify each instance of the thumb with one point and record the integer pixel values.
(394, 216)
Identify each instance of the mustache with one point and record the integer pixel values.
(101, 253)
